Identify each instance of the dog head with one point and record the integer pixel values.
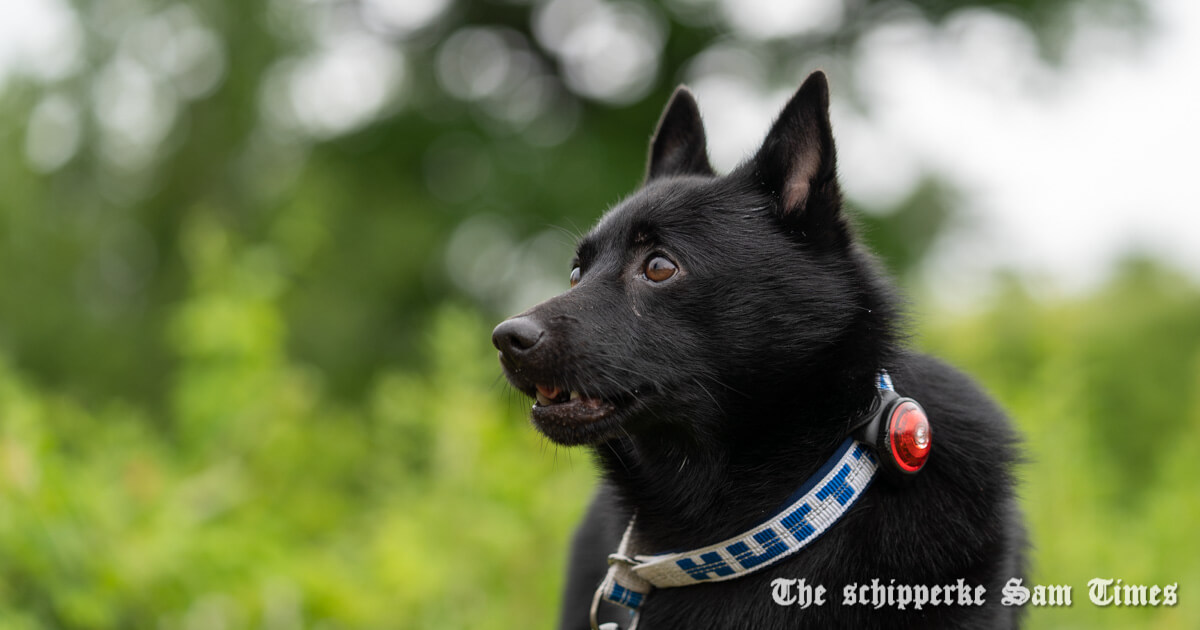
(701, 298)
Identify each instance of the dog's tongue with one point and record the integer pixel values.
(549, 392)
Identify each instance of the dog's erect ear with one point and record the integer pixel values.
(797, 162)
(678, 146)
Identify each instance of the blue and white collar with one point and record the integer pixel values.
(811, 510)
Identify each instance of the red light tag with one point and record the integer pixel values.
(909, 436)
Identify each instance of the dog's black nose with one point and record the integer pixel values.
(514, 337)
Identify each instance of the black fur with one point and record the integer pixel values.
(717, 392)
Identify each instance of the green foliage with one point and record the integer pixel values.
(258, 499)
(1105, 390)
(240, 388)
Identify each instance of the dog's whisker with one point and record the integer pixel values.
(708, 393)
(616, 453)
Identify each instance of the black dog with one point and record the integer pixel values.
(722, 337)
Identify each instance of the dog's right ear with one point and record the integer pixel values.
(797, 165)
(679, 146)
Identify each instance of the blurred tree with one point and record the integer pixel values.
(903, 234)
(339, 144)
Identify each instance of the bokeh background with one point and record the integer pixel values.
(251, 252)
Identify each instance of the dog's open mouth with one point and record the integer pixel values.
(569, 417)
(561, 404)
(547, 396)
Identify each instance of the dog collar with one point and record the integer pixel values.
(811, 510)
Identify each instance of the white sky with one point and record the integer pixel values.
(1062, 171)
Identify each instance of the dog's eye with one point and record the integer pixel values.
(659, 269)
(575, 276)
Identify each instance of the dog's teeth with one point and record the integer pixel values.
(574, 395)
(542, 399)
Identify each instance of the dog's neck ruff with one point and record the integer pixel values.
(811, 510)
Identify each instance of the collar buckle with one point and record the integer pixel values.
(620, 558)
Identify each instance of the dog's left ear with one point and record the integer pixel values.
(797, 164)
(679, 146)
